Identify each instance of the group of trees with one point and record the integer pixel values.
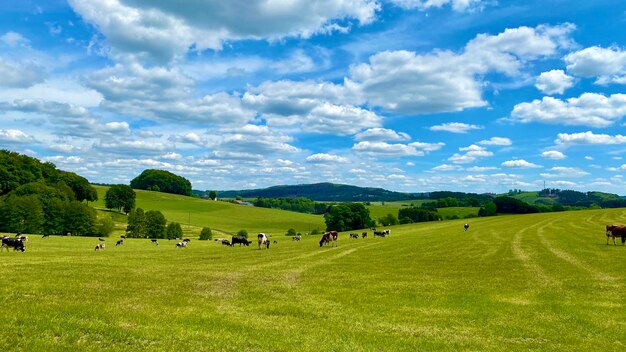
(146, 224)
(161, 181)
(120, 198)
(348, 216)
(301, 205)
(415, 214)
(38, 198)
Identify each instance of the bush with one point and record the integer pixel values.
(206, 234)
(243, 233)
(316, 232)
(105, 226)
(291, 232)
(174, 230)
(405, 220)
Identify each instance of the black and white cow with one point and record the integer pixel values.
(465, 227)
(239, 239)
(263, 240)
(16, 243)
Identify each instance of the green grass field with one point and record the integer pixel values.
(195, 213)
(540, 282)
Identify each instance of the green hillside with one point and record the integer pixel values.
(196, 213)
(539, 282)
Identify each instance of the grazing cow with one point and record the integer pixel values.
(616, 231)
(364, 234)
(387, 232)
(123, 237)
(329, 237)
(181, 245)
(23, 238)
(153, 240)
(226, 243)
(239, 239)
(296, 238)
(100, 239)
(275, 242)
(186, 240)
(354, 235)
(263, 240)
(119, 243)
(45, 236)
(466, 227)
(379, 233)
(15, 243)
(99, 246)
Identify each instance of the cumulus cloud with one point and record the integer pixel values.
(381, 134)
(520, 164)
(163, 30)
(20, 75)
(455, 127)
(447, 167)
(496, 141)
(607, 64)
(590, 109)
(554, 82)
(471, 154)
(560, 171)
(553, 155)
(589, 138)
(339, 119)
(13, 39)
(15, 136)
(322, 158)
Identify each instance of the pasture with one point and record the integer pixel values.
(539, 282)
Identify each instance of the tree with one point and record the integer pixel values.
(213, 195)
(418, 214)
(155, 224)
(291, 232)
(164, 181)
(80, 219)
(81, 187)
(136, 227)
(120, 197)
(488, 209)
(174, 230)
(21, 214)
(348, 216)
(105, 226)
(388, 220)
(206, 234)
(243, 233)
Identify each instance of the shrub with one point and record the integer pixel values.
(291, 232)
(206, 234)
(243, 233)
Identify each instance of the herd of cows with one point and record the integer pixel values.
(328, 238)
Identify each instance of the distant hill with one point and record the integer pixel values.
(318, 192)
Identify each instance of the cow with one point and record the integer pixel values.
(15, 243)
(387, 232)
(364, 235)
(100, 239)
(329, 237)
(263, 240)
(275, 242)
(354, 235)
(181, 245)
(153, 240)
(123, 237)
(186, 240)
(99, 246)
(616, 231)
(45, 236)
(119, 243)
(379, 233)
(23, 238)
(239, 239)
(226, 243)
(466, 227)
(296, 238)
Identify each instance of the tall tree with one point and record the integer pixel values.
(80, 219)
(155, 224)
(120, 197)
(348, 216)
(174, 230)
(136, 227)
(206, 234)
(213, 195)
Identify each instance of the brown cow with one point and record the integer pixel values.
(616, 231)
(329, 237)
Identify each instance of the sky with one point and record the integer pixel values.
(408, 95)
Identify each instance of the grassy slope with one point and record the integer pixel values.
(220, 215)
(541, 282)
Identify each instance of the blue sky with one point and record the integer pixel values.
(408, 95)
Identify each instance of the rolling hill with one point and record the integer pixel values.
(319, 192)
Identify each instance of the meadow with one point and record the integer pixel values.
(539, 282)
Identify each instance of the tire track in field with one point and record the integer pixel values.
(567, 257)
(530, 264)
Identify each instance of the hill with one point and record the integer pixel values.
(194, 213)
(319, 192)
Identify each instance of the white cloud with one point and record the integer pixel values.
(13, 39)
(455, 127)
(554, 82)
(381, 134)
(20, 75)
(589, 138)
(590, 109)
(447, 167)
(339, 119)
(472, 153)
(587, 157)
(457, 5)
(384, 149)
(560, 171)
(15, 136)
(323, 158)
(553, 155)
(496, 141)
(481, 168)
(520, 164)
(118, 128)
(607, 64)
(163, 30)
(171, 156)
